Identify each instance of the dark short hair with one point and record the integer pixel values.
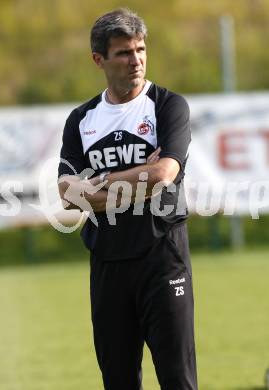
(121, 22)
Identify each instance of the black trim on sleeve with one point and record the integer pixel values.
(173, 124)
(72, 157)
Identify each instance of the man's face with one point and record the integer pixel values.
(125, 65)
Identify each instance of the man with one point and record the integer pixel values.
(133, 136)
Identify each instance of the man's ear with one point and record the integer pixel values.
(98, 59)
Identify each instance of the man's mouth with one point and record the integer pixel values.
(135, 72)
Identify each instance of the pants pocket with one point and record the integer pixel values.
(178, 238)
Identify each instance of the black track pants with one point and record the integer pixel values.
(148, 299)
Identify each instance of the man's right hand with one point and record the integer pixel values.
(154, 157)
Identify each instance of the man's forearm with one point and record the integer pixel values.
(77, 194)
(75, 198)
(165, 170)
(122, 187)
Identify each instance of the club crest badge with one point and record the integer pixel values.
(146, 126)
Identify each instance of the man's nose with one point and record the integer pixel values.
(135, 59)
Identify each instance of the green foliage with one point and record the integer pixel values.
(214, 233)
(45, 55)
(45, 244)
(40, 244)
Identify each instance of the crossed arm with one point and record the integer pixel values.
(78, 194)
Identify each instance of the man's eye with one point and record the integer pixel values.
(122, 53)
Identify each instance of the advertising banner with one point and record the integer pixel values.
(227, 170)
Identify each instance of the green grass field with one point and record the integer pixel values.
(46, 338)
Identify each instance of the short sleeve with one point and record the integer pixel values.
(174, 129)
(71, 157)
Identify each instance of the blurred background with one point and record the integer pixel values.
(216, 55)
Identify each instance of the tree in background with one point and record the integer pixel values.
(44, 46)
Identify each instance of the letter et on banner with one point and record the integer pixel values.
(229, 149)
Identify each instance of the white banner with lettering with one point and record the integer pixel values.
(228, 167)
(227, 171)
